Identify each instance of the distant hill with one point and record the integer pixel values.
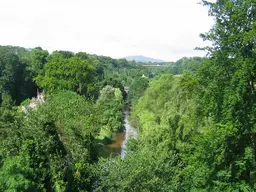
(140, 58)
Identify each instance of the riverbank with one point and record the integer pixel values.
(117, 146)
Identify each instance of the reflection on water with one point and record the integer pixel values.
(114, 148)
(130, 132)
(118, 146)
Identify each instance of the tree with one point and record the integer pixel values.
(227, 84)
(16, 175)
(72, 73)
(38, 60)
(186, 64)
(51, 148)
(15, 76)
(110, 107)
(137, 88)
(11, 76)
(154, 161)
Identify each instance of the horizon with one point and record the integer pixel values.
(125, 57)
(157, 29)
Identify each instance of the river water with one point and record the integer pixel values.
(119, 144)
(129, 131)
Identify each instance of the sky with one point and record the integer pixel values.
(161, 29)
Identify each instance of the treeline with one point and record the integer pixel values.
(23, 71)
(197, 130)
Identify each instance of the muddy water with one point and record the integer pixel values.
(118, 146)
(115, 148)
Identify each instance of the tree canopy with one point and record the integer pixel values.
(195, 117)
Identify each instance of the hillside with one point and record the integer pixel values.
(140, 58)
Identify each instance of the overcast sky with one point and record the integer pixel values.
(162, 29)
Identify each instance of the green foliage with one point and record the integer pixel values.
(110, 111)
(228, 93)
(149, 169)
(196, 131)
(53, 140)
(11, 75)
(186, 64)
(114, 80)
(71, 73)
(137, 88)
(165, 100)
(15, 76)
(154, 163)
(38, 60)
(16, 175)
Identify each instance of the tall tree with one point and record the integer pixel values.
(72, 73)
(227, 82)
(38, 60)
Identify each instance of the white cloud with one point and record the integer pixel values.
(164, 29)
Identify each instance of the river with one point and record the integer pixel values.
(119, 144)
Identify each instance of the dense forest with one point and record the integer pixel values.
(195, 117)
